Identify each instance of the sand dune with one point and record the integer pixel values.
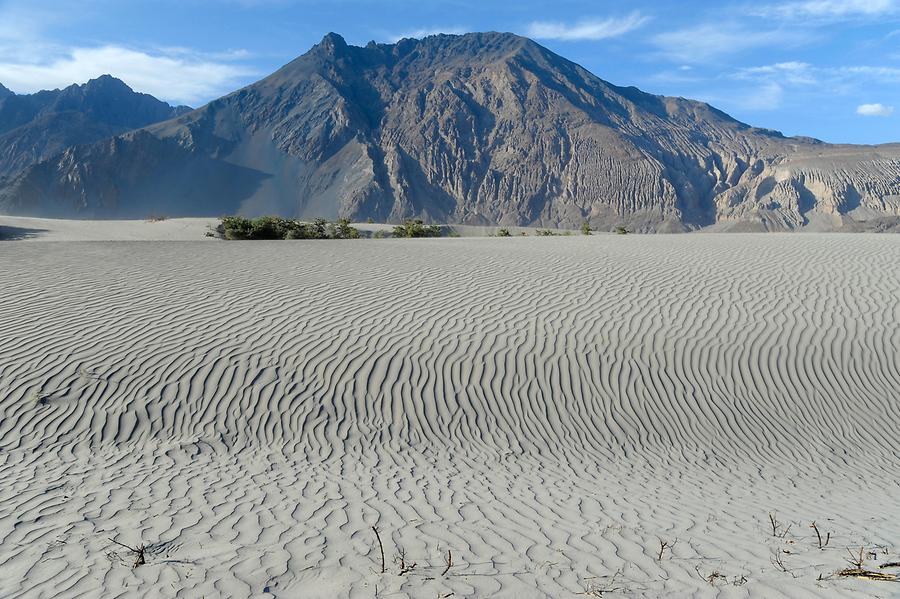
(546, 409)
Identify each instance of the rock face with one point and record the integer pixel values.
(483, 128)
(37, 126)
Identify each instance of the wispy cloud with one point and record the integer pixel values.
(426, 31)
(710, 42)
(875, 110)
(826, 9)
(793, 72)
(587, 29)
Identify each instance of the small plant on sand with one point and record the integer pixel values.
(857, 562)
(600, 589)
(778, 530)
(503, 233)
(777, 560)
(585, 228)
(545, 233)
(663, 545)
(139, 553)
(822, 544)
(405, 567)
(621, 230)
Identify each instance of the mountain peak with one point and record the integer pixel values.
(332, 43)
(4, 92)
(106, 83)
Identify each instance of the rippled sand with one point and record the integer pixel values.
(545, 409)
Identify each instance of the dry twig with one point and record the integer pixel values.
(381, 547)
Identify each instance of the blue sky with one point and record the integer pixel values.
(824, 68)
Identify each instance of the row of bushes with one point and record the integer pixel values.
(274, 227)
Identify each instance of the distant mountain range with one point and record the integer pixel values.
(483, 128)
(38, 126)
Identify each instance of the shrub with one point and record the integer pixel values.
(620, 230)
(342, 230)
(545, 233)
(503, 233)
(585, 228)
(380, 234)
(269, 227)
(416, 228)
(236, 227)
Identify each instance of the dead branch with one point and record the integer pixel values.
(449, 563)
(774, 522)
(819, 536)
(868, 574)
(404, 567)
(663, 545)
(381, 547)
(778, 561)
(712, 577)
(139, 553)
(856, 561)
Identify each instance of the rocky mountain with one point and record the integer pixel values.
(35, 127)
(483, 128)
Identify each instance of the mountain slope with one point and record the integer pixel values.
(484, 128)
(37, 126)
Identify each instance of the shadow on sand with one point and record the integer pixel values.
(18, 233)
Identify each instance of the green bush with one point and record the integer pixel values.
(620, 230)
(274, 227)
(585, 228)
(416, 228)
(503, 233)
(236, 227)
(342, 230)
(546, 233)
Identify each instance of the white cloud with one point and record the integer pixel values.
(874, 110)
(827, 9)
(710, 42)
(588, 29)
(178, 76)
(793, 72)
(427, 31)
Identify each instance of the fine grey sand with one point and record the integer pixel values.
(545, 409)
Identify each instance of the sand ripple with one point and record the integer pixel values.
(544, 408)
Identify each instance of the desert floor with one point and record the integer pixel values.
(546, 411)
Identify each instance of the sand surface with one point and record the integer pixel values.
(545, 409)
